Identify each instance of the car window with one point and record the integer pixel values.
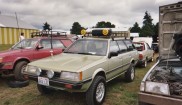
(57, 43)
(114, 46)
(148, 47)
(122, 46)
(46, 43)
(129, 44)
(26, 44)
(139, 46)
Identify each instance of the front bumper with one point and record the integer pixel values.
(146, 98)
(62, 85)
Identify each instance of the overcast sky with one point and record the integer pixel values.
(61, 14)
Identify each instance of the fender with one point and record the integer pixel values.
(97, 71)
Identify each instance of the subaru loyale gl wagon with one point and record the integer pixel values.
(162, 85)
(86, 66)
(14, 60)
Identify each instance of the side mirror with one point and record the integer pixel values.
(130, 48)
(113, 54)
(39, 47)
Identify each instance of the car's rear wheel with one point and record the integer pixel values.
(19, 69)
(130, 74)
(152, 59)
(43, 89)
(97, 91)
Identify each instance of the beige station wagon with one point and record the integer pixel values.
(86, 66)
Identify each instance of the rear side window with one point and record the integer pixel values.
(129, 44)
(122, 46)
(66, 42)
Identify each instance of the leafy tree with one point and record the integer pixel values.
(46, 26)
(104, 24)
(76, 28)
(156, 31)
(135, 28)
(148, 27)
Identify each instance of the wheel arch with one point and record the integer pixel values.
(19, 60)
(100, 72)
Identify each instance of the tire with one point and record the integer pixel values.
(43, 89)
(145, 64)
(152, 59)
(98, 85)
(130, 74)
(17, 84)
(19, 67)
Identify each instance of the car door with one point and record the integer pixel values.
(114, 62)
(44, 51)
(124, 55)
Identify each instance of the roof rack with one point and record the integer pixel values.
(48, 34)
(105, 33)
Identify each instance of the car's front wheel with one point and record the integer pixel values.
(19, 69)
(97, 91)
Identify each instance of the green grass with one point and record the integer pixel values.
(119, 92)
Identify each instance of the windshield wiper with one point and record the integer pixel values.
(20, 47)
(86, 53)
(70, 52)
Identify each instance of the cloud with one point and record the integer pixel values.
(61, 14)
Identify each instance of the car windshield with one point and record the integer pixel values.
(139, 46)
(25, 44)
(89, 47)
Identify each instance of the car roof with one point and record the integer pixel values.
(101, 38)
(63, 38)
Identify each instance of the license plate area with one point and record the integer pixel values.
(43, 81)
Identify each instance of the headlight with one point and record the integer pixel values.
(33, 70)
(1, 60)
(50, 73)
(142, 86)
(74, 76)
(158, 88)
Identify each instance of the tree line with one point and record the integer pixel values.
(148, 29)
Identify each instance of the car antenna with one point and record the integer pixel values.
(18, 26)
(51, 51)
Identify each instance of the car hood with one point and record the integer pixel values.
(169, 26)
(11, 52)
(66, 62)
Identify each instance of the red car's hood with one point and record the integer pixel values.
(12, 52)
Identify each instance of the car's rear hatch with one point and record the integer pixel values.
(170, 23)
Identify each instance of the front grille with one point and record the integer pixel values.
(44, 74)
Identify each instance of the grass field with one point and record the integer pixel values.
(119, 92)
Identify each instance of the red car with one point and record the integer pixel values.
(15, 59)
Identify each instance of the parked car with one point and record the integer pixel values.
(155, 47)
(162, 85)
(145, 53)
(86, 66)
(14, 60)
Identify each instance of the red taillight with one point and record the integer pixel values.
(68, 86)
(140, 56)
